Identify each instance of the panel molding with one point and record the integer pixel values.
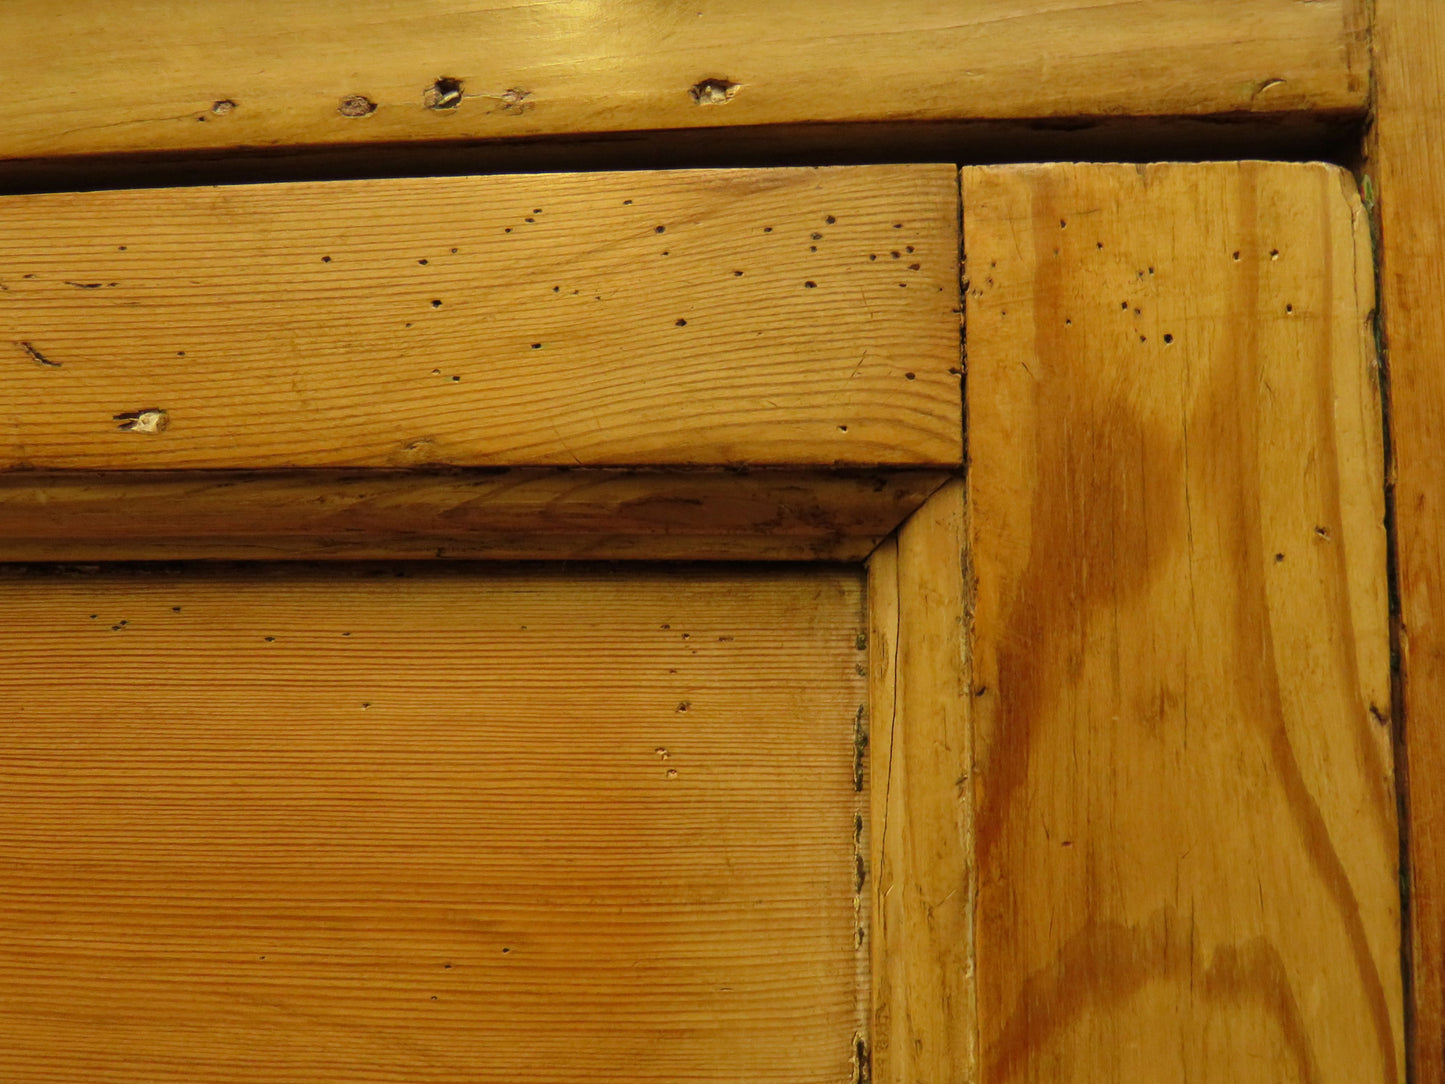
(503, 514)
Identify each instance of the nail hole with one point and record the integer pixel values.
(445, 93)
(713, 91)
(356, 105)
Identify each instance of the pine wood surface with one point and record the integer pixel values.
(442, 823)
(792, 317)
(169, 75)
(1407, 168)
(924, 1023)
(1185, 820)
(511, 514)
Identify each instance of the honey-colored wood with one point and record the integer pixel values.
(94, 76)
(760, 317)
(429, 823)
(1185, 820)
(1407, 168)
(507, 514)
(924, 1012)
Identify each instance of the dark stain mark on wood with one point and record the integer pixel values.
(37, 357)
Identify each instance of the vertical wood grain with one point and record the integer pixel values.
(1186, 830)
(1407, 164)
(922, 812)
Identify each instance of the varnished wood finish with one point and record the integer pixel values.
(1186, 830)
(438, 823)
(924, 1012)
(758, 317)
(505, 514)
(94, 76)
(1407, 168)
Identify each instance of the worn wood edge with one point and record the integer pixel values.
(1370, 459)
(1403, 173)
(567, 71)
(924, 1011)
(503, 514)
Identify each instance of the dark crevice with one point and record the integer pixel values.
(1286, 137)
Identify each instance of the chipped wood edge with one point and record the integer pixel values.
(924, 1006)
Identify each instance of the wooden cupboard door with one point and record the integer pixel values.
(425, 823)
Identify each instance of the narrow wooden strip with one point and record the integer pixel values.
(924, 1015)
(791, 317)
(93, 76)
(444, 823)
(508, 514)
(1186, 819)
(1407, 165)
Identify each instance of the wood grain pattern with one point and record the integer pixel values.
(1186, 829)
(172, 75)
(503, 514)
(766, 317)
(429, 823)
(1407, 164)
(924, 1007)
